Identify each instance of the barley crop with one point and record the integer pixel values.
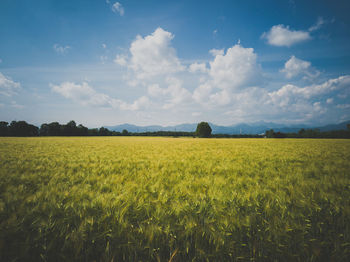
(174, 199)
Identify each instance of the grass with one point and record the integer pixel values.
(167, 199)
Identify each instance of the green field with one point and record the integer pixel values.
(178, 199)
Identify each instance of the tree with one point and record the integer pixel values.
(4, 130)
(22, 128)
(269, 133)
(82, 130)
(70, 129)
(55, 129)
(44, 130)
(203, 130)
(125, 132)
(104, 132)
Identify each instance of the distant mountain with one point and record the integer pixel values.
(340, 126)
(254, 128)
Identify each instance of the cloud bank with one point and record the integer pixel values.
(230, 86)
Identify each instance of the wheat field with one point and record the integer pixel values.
(174, 199)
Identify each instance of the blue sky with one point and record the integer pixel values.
(167, 62)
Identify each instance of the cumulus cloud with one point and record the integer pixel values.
(280, 35)
(290, 94)
(234, 69)
(118, 8)
(86, 95)
(174, 94)
(152, 56)
(295, 66)
(154, 90)
(178, 94)
(229, 85)
(215, 52)
(8, 87)
(220, 98)
(140, 103)
(228, 73)
(201, 94)
(121, 60)
(198, 67)
(61, 49)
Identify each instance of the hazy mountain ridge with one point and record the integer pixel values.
(253, 128)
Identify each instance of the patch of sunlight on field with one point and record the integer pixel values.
(149, 199)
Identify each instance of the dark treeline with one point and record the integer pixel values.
(22, 128)
(310, 133)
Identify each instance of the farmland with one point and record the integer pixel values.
(178, 199)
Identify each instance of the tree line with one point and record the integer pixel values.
(310, 133)
(22, 128)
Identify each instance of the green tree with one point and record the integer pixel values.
(203, 130)
(125, 132)
(269, 133)
(4, 130)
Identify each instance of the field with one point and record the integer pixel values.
(174, 199)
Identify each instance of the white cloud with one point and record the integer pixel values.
(330, 101)
(236, 68)
(104, 46)
(8, 87)
(290, 94)
(174, 94)
(294, 67)
(198, 67)
(153, 55)
(318, 25)
(177, 93)
(228, 73)
(201, 94)
(140, 103)
(280, 35)
(61, 49)
(121, 60)
(82, 93)
(318, 107)
(155, 91)
(118, 8)
(220, 98)
(229, 88)
(86, 95)
(215, 32)
(215, 52)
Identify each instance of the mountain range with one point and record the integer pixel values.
(253, 128)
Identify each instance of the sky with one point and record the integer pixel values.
(107, 62)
